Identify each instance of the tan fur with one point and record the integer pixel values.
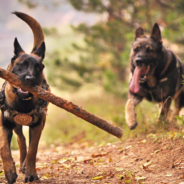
(35, 27)
(130, 113)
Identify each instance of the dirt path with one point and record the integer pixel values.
(151, 161)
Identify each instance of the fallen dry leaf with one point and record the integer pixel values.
(147, 163)
(110, 159)
(46, 176)
(147, 169)
(156, 151)
(143, 141)
(97, 178)
(138, 178)
(119, 169)
(182, 176)
(99, 154)
(168, 175)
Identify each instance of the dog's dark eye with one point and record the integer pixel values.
(136, 49)
(38, 68)
(23, 65)
(149, 49)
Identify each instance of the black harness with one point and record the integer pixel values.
(23, 118)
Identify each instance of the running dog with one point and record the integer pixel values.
(156, 75)
(19, 107)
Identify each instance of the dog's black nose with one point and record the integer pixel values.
(30, 79)
(139, 61)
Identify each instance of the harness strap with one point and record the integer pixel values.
(179, 86)
(167, 64)
(178, 67)
(40, 107)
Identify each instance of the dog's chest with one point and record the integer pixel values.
(22, 106)
(161, 90)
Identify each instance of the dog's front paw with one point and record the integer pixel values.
(11, 177)
(133, 126)
(23, 168)
(130, 115)
(30, 178)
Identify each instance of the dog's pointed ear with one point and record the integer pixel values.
(40, 51)
(156, 33)
(17, 48)
(138, 32)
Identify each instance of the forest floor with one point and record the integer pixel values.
(148, 160)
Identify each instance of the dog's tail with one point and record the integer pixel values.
(36, 29)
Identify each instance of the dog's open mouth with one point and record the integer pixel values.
(23, 94)
(145, 71)
(20, 90)
(140, 75)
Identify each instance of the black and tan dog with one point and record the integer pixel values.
(19, 107)
(156, 76)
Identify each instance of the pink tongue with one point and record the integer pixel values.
(134, 85)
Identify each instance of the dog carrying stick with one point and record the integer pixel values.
(60, 102)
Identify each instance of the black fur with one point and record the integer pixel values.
(17, 101)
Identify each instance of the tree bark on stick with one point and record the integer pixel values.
(62, 103)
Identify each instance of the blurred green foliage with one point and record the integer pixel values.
(109, 40)
(103, 55)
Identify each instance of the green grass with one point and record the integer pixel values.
(62, 126)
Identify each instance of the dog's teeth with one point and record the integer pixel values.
(22, 91)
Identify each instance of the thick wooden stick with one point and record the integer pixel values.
(60, 102)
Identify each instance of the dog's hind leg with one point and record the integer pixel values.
(34, 137)
(130, 114)
(22, 145)
(164, 109)
(8, 163)
(177, 107)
